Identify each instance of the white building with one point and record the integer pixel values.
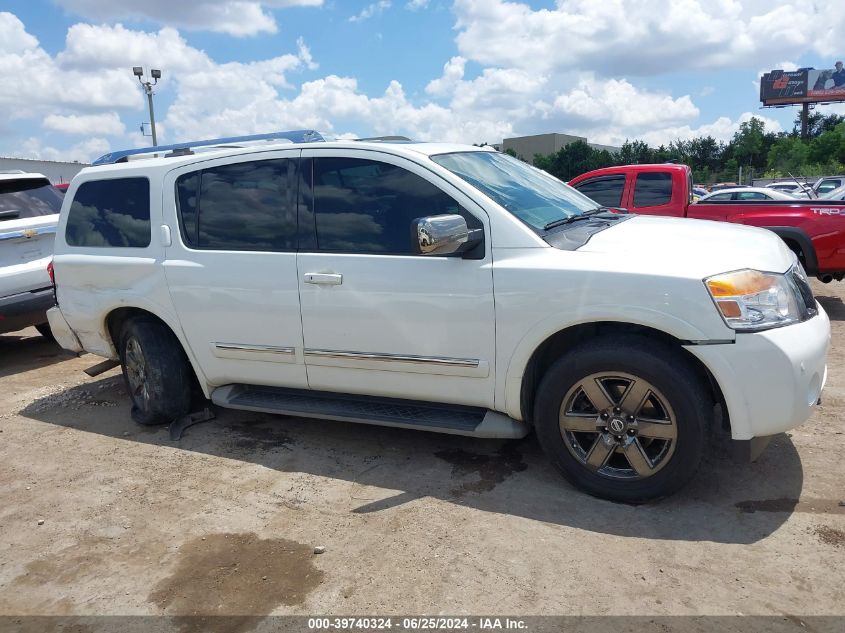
(57, 171)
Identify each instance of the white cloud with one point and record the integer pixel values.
(235, 17)
(83, 152)
(630, 37)
(722, 129)
(34, 82)
(618, 103)
(108, 124)
(87, 89)
(371, 10)
(416, 5)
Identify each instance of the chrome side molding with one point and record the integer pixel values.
(400, 358)
(264, 349)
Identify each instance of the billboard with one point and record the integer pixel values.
(808, 85)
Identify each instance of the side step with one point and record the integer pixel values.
(406, 414)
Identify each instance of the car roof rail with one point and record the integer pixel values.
(181, 149)
(385, 139)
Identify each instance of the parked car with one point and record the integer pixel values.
(699, 192)
(825, 185)
(29, 207)
(439, 287)
(744, 194)
(795, 188)
(725, 185)
(835, 194)
(62, 186)
(814, 231)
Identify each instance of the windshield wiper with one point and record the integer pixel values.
(574, 218)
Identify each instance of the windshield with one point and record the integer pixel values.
(530, 194)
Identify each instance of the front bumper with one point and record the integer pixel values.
(771, 380)
(25, 309)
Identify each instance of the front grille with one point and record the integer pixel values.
(808, 302)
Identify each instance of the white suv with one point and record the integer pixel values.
(440, 287)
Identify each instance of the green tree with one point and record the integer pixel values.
(787, 155)
(829, 147)
(817, 123)
(749, 143)
(635, 153)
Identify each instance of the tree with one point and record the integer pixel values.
(635, 153)
(817, 123)
(748, 142)
(787, 155)
(829, 147)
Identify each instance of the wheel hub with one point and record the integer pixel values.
(618, 425)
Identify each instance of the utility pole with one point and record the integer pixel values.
(155, 74)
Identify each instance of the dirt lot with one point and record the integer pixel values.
(101, 516)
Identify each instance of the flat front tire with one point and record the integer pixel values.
(156, 372)
(624, 418)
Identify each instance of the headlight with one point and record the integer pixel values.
(754, 300)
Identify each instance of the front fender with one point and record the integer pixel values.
(518, 358)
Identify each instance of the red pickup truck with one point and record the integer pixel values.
(814, 229)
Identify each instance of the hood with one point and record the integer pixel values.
(696, 248)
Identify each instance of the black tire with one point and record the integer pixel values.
(160, 388)
(45, 331)
(666, 369)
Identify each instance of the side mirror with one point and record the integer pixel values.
(440, 234)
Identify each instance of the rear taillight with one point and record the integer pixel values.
(51, 273)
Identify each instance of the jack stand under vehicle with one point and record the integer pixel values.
(177, 427)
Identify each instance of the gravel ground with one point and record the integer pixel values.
(101, 516)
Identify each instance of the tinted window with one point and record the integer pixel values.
(719, 196)
(826, 186)
(752, 195)
(365, 206)
(652, 189)
(110, 213)
(28, 199)
(606, 191)
(243, 206)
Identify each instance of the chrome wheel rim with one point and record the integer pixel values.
(136, 372)
(618, 425)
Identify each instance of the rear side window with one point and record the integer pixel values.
(243, 206)
(652, 190)
(110, 213)
(752, 195)
(28, 199)
(607, 190)
(366, 206)
(719, 197)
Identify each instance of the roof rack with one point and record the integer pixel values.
(386, 139)
(181, 149)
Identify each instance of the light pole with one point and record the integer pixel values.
(138, 71)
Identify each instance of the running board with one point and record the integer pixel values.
(405, 414)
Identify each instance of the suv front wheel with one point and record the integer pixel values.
(624, 418)
(155, 370)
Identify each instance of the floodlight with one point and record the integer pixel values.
(137, 71)
(155, 73)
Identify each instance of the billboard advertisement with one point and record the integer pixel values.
(808, 85)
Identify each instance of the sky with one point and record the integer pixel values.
(468, 71)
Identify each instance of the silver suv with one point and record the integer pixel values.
(29, 212)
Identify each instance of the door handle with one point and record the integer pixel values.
(324, 279)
